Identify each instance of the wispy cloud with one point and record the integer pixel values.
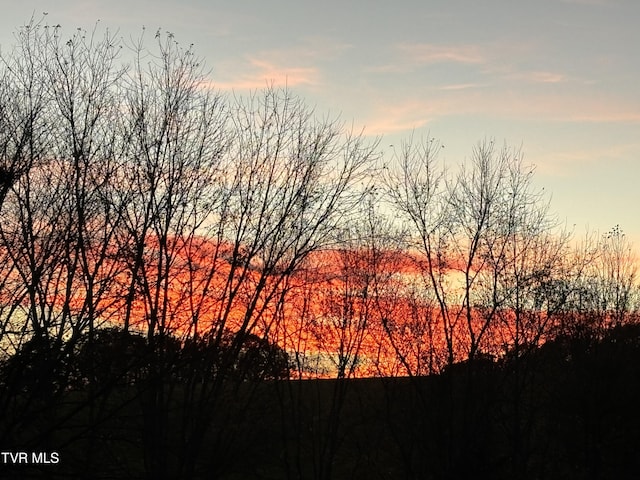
(579, 107)
(259, 73)
(462, 86)
(545, 77)
(392, 117)
(606, 116)
(393, 114)
(407, 57)
(425, 53)
(299, 65)
(564, 162)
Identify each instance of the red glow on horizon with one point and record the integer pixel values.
(342, 311)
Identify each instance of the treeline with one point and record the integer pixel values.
(566, 410)
(165, 248)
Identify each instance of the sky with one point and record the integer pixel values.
(559, 79)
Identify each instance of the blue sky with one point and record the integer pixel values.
(560, 78)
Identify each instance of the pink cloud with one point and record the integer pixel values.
(424, 53)
(564, 162)
(462, 86)
(546, 77)
(536, 77)
(397, 116)
(261, 73)
(393, 114)
(406, 57)
(295, 65)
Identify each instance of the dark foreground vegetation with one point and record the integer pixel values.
(566, 410)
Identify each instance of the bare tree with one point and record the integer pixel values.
(137, 195)
(60, 150)
(417, 189)
(483, 238)
(230, 202)
(334, 307)
(616, 278)
(485, 243)
(24, 131)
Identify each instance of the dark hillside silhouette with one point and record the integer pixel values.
(576, 419)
